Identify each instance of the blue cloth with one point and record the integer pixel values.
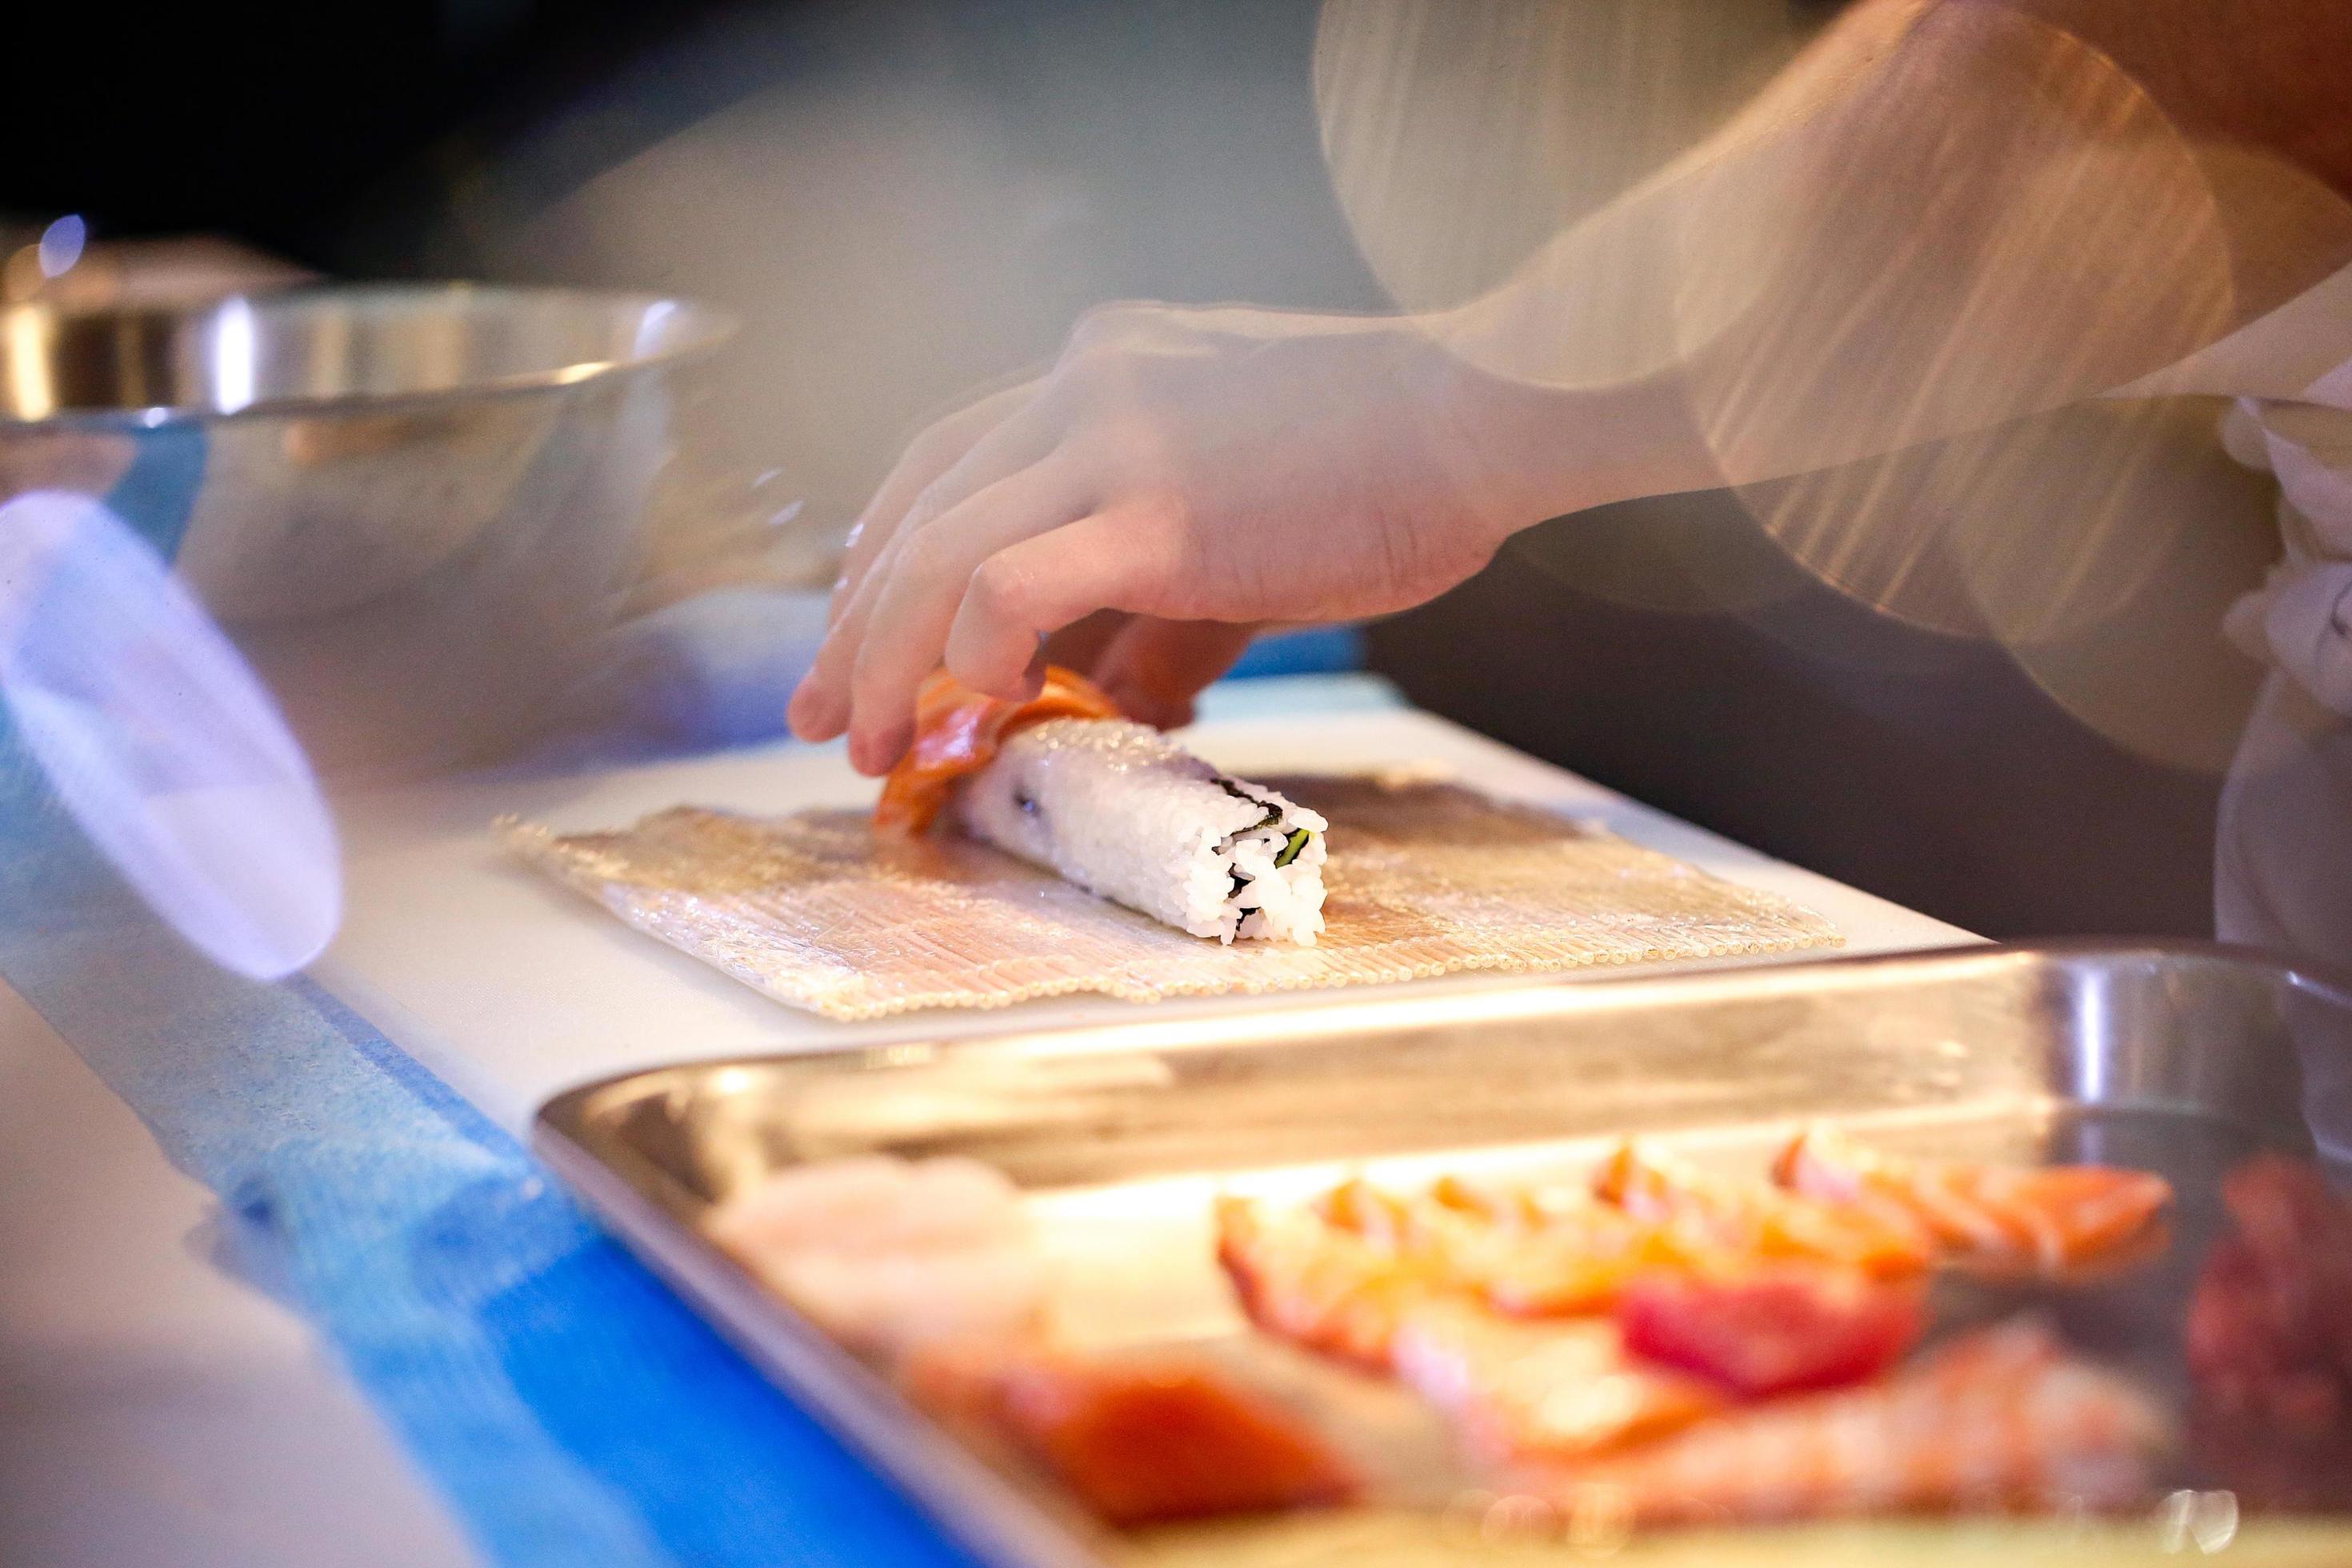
(571, 1409)
(1312, 650)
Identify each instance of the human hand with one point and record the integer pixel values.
(1200, 470)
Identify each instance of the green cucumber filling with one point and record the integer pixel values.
(1293, 842)
(1272, 818)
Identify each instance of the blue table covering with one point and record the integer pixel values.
(568, 1406)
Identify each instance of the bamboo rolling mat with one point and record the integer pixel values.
(1425, 879)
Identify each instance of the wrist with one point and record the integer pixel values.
(1523, 452)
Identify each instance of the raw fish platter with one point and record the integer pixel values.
(2023, 1249)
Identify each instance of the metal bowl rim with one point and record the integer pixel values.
(709, 329)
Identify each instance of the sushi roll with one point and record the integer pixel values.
(1115, 807)
(1122, 811)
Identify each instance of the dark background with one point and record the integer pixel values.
(1922, 767)
(280, 124)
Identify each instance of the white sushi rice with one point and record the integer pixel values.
(1122, 811)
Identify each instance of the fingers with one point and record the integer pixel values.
(918, 587)
(1154, 669)
(927, 457)
(820, 708)
(1124, 559)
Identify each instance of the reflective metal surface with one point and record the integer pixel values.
(2180, 1059)
(413, 507)
(332, 350)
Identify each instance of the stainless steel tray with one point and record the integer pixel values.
(2179, 1058)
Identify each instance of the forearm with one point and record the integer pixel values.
(1537, 452)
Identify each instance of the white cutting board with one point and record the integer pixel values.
(512, 989)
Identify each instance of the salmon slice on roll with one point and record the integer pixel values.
(1062, 781)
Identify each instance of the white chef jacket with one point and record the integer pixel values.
(2283, 868)
(2282, 856)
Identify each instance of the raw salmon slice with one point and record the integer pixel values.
(2047, 1218)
